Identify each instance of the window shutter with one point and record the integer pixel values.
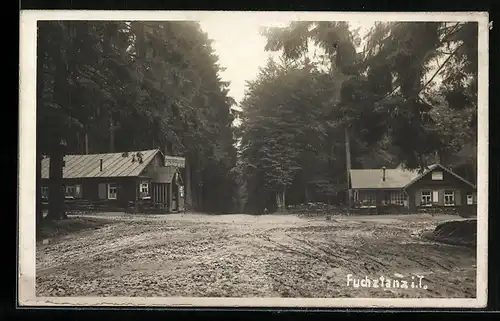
(458, 199)
(102, 191)
(435, 196)
(78, 191)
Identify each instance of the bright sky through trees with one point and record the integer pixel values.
(241, 48)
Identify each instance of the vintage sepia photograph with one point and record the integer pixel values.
(253, 159)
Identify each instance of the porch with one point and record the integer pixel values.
(161, 192)
(380, 201)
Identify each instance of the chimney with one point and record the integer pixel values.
(100, 164)
(383, 173)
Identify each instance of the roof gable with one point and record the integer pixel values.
(113, 165)
(162, 174)
(436, 166)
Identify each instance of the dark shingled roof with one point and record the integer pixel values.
(113, 165)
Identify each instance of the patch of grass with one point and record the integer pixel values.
(53, 229)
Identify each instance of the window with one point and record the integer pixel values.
(368, 200)
(398, 198)
(45, 192)
(470, 199)
(144, 190)
(449, 198)
(69, 192)
(112, 191)
(73, 191)
(437, 176)
(426, 199)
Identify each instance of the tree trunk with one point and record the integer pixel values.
(474, 170)
(306, 193)
(348, 166)
(56, 194)
(62, 97)
(111, 135)
(199, 199)
(86, 143)
(280, 201)
(78, 145)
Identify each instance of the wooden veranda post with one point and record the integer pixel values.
(56, 199)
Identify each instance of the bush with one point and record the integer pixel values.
(455, 232)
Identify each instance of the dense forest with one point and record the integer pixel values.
(402, 95)
(117, 86)
(405, 94)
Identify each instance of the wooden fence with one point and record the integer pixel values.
(461, 210)
(147, 207)
(80, 207)
(314, 209)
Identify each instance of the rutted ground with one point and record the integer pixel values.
(249, 256)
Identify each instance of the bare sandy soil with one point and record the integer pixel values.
(248, 256)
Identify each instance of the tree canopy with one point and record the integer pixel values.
(405, 92)
(402, 93)
(388, 87)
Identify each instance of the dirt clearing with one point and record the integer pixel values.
(255, 256)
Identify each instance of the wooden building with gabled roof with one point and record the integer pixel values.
(119, 179)
(436, 186)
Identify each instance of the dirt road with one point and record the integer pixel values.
(248, 256)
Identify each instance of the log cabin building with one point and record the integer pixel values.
(121, 179)
(402, 190)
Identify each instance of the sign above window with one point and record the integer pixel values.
(437, 176)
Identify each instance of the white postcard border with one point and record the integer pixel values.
(27, 161)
